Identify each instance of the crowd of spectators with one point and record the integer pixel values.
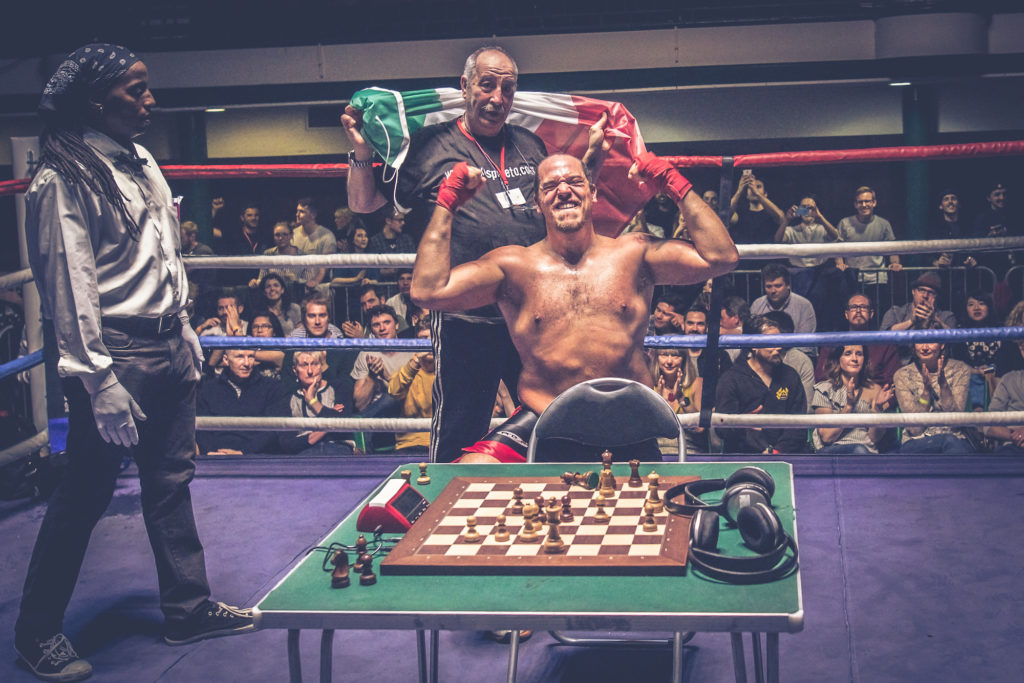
(800, 294)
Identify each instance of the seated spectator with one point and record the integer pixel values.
(994, 221)
(793, 357)
(779, 296)
(883, 360)
(344, 221)
(735, 312)
(369, 299)
(282, 247)
(268, 361)
(933, 383)
(401, 301)
(1008, 359)
(275, 296)
(866, 226)
(412, 387)
(761, 384)
(359, 243)
(849, 389)
(229, 321)
(920, 311)
(1008, 396)
(670, 378)
(239, 392)
(667, 317)
(312, 238)
(315, 397)
(980, 355)
(315, 318)
(373, 370)
(695, 321)
(391, 240)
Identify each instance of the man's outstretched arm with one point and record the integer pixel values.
(674, 261)
(436, 286)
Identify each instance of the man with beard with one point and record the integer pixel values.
(576, 302)
(761, 384)
(473, 350)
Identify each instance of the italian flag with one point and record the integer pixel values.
(562, 121)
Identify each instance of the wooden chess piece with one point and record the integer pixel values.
(529, 532)
(366, 575)
(587, 480)
(424, 478)
(553, 544)
(501, 534)
(360, 553)
(600, 516)
(566, 515)
(650, 524)
(634, 475)
(517, 501)
(606, 464)
(407, 475)
(471, 535)
(652, 492)
(339, 577)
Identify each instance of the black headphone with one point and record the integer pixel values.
(746, 504)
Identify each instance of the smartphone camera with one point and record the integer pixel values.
(803, 211)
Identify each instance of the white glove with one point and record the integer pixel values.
(192, 339)
(115, 412)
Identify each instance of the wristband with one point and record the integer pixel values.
(357, 163)
(453, 192)
(660, 174)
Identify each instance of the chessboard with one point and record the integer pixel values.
(437, 543)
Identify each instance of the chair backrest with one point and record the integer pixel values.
(609, 411)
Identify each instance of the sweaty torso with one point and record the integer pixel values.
(576, 321)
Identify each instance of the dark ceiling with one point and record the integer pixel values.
(167, 25)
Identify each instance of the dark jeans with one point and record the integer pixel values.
(946, 444)
(470, 358)
(157, 373)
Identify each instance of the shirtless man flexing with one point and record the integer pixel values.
(576, 303)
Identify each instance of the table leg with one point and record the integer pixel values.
(739, 666)
(434, 638)
(755, 646)
(677, 657)
(513, 656)
(326, 654)
(772, 645)
(421, 654)
(294, 659)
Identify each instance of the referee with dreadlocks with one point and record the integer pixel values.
(104, 246)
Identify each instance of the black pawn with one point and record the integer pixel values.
(339, 577)
(366, 575)
(566, 515)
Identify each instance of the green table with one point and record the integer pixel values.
(303, 599)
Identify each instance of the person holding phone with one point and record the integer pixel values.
(814, 277)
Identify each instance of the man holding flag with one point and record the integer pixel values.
(472, 348)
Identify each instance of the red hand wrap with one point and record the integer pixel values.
(453, 191)
(663, 176)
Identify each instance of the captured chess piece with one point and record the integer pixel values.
(517, 501)
(471, 535)
(601, 516)
(634, 475)
(339, 577)
(652, 492)
(587, 480)
(650, 524)
(501, 534)
(553, 543)
(407, 475)
(424, 478)
(366, 575)
(360, 554)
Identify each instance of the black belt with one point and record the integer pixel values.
(145, 327)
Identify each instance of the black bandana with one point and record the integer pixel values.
(87, 73)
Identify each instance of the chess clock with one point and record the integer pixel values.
(395, 507)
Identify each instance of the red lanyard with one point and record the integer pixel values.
(501, 171)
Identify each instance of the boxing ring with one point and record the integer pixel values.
(708, 417)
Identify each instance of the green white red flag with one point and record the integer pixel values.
(562, 121)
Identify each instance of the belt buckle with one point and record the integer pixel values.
(160, 329)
